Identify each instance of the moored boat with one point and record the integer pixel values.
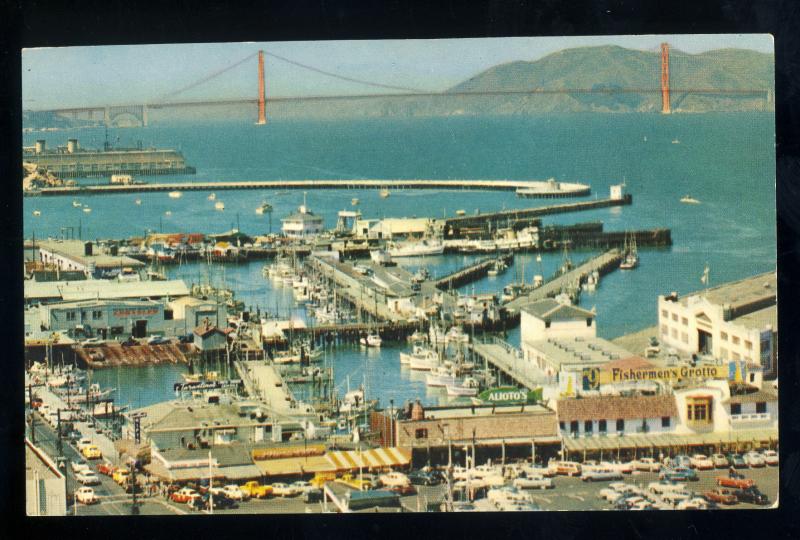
(468, 387)
(371, 340)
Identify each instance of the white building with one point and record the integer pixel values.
(45, 484)
(83, 256)
(548, 319)
(735, 321)
(720, 407)
(620, 416)
(302, 223)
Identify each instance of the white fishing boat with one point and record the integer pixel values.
(212, 196)
(87, 210)
(468, 387)
(219, 205)
(76, 204)
(416, 337)
(37, 213)
(497, 268)
(264, 208)
(436, 335)
(592, 281)
(175, 194)
(425, 362)
(286, 357)
(418, 351)
(353, 401)
(138, 201)
(441, 376)
(354, 201)
(371, 340)
(456, 335)
(428, 246)
(384, 193)
(686, 199)
(631, 257)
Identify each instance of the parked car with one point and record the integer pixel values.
(533, 482)
(106, 469)
(621, 466)
(393, 479)
(771, 457)
(736, 461)
(675, 497)
(402, 489)
(83, 443)
(302, 486)
(79, 465)
(183, 495)
(284, 490)
(664, 486)
(600, 474)
(85, 495)
(646, 464)
(568, 468)
(91, 452)
(87, 477)
(256, 490)
(609, 494)
(681, 461)
(754, 459)
(719, 461)
(695, 503)
(232, 491)
(678, 474)
(751, 495)
(222, 501)
(420, 478)
(721, 495)
(737, 481)
(312, 495)
(701, 462)
(157, 340)
(130, 342)
(120, 475)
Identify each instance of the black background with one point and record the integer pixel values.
(39, 23)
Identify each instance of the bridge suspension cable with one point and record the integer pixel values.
(206, 78)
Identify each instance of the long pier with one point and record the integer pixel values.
(471, 273)
(564, 189)
(509, 360)
(457, 226)
(603, 263)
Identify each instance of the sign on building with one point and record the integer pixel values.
(508, 395)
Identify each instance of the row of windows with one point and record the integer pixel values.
(602, 426)
(96, 315)
(761, 408)
(735, 340)
(665, 331)
(665, 314)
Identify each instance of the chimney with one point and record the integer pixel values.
(417, 411)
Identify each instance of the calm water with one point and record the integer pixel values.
(725, 161)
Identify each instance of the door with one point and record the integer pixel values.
(704, 342)
(140, 329)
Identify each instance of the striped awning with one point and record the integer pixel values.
(666, 440)
(369, 459)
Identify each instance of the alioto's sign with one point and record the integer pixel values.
(509, 395)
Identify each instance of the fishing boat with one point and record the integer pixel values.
(497, 268)
(686, 199)
(212, 196)
(591, 281)
(384, 193)
(37, 213)
(286, 357)
(380, 256)
(87, 210)
(426, 361)
(76, 204)
(461, 212)
(418, 351)
(416, 337)
(468, 387)
(175, 194)
(436, 335)
(264, 208)
(138, 201)
(631, 257)
(441, 376)
(371, 340)
(456, 335)
(219, 205)
(417, 249)
(354, 201)
(676, 141)
(168, 213)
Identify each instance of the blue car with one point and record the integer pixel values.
(678, 474)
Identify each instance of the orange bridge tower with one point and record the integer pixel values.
(262, 115)
(665, 78)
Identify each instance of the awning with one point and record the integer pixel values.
(666, 440)
(294, 466)
(184, 474)
(240, 472)
(374, 458)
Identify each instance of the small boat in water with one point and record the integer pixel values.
(686, 199)
(428, 246)
(87, 210)
(168, 213)
(354, 201)
(468, 387)
(423, 355)
(461, 212)
(371, 340)
(138, 201)
(631, 257)
(676, 141)
(212, 196)
(264, 208)
(384, 193)
(76, 204)
(441, 376)
(37, 213)
(219, 205)
(175, 194)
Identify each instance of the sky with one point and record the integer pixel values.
(107, 75)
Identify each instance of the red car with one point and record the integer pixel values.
(723, 496)
(106, 469)
(738, 482)
(184, 495)
(406, 489)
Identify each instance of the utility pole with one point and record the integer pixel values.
(135, 507)
(58, 429)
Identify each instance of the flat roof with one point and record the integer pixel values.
(760, 319)
(739, 293)
(101, 289)
(482, 411)
(579, 351)
(74, 250)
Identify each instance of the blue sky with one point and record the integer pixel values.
(79, 76)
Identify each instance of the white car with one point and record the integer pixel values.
(641, 505)
(83, 442)
(79, 465)
(533, 482)
(647, 464)
(664, 487)
(622, 487)
(754, 459)
(85, 495)
(87, 478)
(624, 468)
(283, 490)
(693, 504)
(302, 486)
(675, 497)
(701, 462)
(771, 457)
(232, 491)
(600, 474)
(394, 479)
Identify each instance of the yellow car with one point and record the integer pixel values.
(121, 476)
(91, 452)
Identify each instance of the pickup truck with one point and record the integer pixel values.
(256, 490)
(737, 482)
(360, 483)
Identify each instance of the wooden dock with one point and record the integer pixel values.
(507, 359)
(471, 273)
(565, 189)
(603, 263)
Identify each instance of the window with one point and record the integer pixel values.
(589, 321)
(587, 426)
(723, 336)
(698, 410)
(736, 408)
(664, 330)
(97, 315)
(684, 321)
(748, 345)
(684, 337)
(723, 353)
(547, 324)
(675, 317)
(735, 340)
(601, 426)
(664, 313)
(70, 315)
(561, 426)
(421, 433)
(761, 407)
(665, 420)
(168, 315)
(620, 424)
(573, 426)
(736, 356)
(674, 333)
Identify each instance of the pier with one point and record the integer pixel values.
(471, 273)
(459, 226)
(603, 263)
(508, 360)
(542, 189)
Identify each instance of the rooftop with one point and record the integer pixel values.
(185, 415)
(75, 250)
(760, 319)
(757, 290)
(100, 289)
(550, 310)
(613, 408)
(435, 413)
(570, 352)
(36, 461)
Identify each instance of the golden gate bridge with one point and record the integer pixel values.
(110, 113)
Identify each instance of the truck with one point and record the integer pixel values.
(321, 478)
(358, 500)
(255, 490)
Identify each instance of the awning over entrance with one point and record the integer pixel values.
(374, 458)
(667, 440)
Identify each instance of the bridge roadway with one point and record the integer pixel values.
(603, 263)
(565, 189)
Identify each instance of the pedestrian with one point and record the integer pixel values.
(731, 472)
